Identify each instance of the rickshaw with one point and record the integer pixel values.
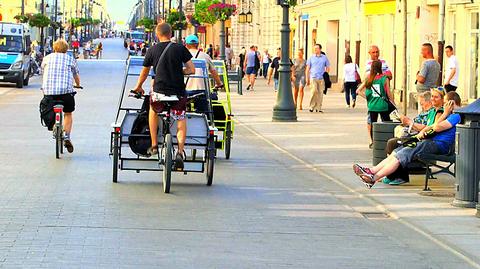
(222, 112)
(127, 144)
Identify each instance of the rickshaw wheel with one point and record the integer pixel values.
(228, 140)
(210, 161)
(115, 158)
(168, 162)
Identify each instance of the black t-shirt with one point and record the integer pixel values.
(169, 78)
(275, 65)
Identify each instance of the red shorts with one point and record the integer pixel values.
(177, 109)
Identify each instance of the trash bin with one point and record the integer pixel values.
(382, 132)
(467, 163)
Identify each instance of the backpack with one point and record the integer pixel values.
(139, 139)
(257, 62)
(47, 115)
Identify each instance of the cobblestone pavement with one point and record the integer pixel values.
(263, 211)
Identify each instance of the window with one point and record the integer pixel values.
(474, 73)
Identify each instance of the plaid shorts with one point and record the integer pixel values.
(177, 109)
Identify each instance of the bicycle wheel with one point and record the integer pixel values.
(115, 156)
(210, 161)
(228, 141)
(167, 163)
(58, 141)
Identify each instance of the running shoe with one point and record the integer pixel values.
(68, 145)
(179, 165)
(397, 182)
(153, 150)
(359, 170)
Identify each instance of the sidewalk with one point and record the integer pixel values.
(329, 143)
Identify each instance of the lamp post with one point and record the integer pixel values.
(284, 108)
(222, 38)
(180, 31)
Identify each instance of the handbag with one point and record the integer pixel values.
(358, 79)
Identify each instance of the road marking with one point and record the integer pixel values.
(380, 207)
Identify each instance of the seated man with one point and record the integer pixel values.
(197, 85)
(432, 109)
(441, 140)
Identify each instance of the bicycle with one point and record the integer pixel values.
(165, 145)
(58, 131)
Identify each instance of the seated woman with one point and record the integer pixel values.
(435, 139)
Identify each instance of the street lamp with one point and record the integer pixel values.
(242, 17)
(249, 17)
(284, 108)
(222, 38)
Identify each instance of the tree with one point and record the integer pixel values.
(22, 18)
(202, 15)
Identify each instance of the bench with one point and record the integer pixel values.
(432, 160)
(235, 77)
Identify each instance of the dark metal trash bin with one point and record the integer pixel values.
(382, 132)
(467, 163)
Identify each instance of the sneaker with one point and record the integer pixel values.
(353, 104)
(368, 180)
(359, 170)
(68, 145)
(153, 150)
(178, 165)
(386, 180)
(248, 87)
(370, 146)
(347, 106)
(397, 181)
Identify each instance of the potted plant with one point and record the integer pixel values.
(177, 20)
(202, 15)
(22, 18)
(222, 11)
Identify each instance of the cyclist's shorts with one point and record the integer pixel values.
(67, 100)
(177, 110)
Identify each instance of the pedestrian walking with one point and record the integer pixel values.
(452, 70)
(275, 65)
(216, 52)
(299, 81)
(378, 95)
(427, 77)
(265, 63)
(99, 50)
(374, 53)
(249, 66)
(257, 61)
(350, 79)
(229, 55)
(210, 51)
(317, 65)
(241, 60)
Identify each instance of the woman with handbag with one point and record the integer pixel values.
(351, 79)
(379, 97)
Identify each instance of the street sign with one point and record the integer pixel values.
(305, 17)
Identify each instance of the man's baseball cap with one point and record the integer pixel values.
(191, 39)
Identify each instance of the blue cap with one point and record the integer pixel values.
(191, 39)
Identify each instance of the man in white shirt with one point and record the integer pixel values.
(451, 72)
(374, 53)
(197, 85)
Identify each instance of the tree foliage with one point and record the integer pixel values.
(147, 23)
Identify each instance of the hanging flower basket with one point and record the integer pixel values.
(177, 20)
(222, 11)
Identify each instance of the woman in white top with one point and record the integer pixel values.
(266, 60)
(350, 82)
